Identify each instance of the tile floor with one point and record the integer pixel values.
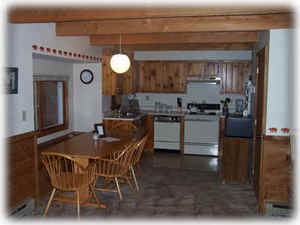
(172, 186)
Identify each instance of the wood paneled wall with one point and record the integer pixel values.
(275, 179)
(22, 164)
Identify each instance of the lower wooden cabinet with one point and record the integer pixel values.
(235, 162)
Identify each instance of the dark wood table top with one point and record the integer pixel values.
(84, 146)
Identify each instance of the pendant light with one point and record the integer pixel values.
(120, 63)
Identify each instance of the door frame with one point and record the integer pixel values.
(258, 138)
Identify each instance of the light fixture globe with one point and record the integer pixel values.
(120, 63)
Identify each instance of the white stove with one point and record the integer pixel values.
(201, 133)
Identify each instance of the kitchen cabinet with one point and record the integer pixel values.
(170, 76)
(235, 160)
(173, 78)
(113, 83)
(149, 127)
(161, 76)
(149, 76)
(202, 69)
(232, 74)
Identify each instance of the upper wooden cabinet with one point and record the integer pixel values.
(233, 76)
(174, 77)
(202, 69)
(161, 76)
(232, 73)
(113, 83)
(149, 74)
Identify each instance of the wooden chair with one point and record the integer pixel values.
(67, 175)
(136, 158)
(122, 129)
(115, 166)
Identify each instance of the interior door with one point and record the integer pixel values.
(260, 116)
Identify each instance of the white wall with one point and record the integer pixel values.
(19, 41)
(55, 67)
(280, 81)
(87, 98)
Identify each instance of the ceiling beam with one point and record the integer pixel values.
(173, 38)
(182, 47)
(48, 14)
(178, 24)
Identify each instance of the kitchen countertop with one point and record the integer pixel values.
(172, 113)
(109, 116)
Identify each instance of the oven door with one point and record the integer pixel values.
(201, 137)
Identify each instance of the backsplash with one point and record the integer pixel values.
(206, 93)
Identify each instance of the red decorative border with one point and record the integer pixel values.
(60, 52)
(283, 130)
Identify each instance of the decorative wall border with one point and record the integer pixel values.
(65, 54)
(279, 131)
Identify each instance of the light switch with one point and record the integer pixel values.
(23, 115)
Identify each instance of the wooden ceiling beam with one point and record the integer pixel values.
(182, 47)
(173, 38)
(178, 24)
(46, 14)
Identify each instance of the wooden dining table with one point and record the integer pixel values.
(82, 148)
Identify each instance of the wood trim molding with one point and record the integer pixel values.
(44, 14)
(281, 139)
(186, 46)
(174, 38)
(176, 24)
(20, 137)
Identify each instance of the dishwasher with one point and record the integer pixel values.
(167, 132)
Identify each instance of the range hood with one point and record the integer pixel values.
(204, 80)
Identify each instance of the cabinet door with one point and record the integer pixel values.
(197, 69)
(173, 78)
(109, 78)
(127, 81)
(203, 69)
(150, 76)
(233, 75)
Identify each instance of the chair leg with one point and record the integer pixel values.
(49, 202)
(96, 198)
(78, 205)
(134, 177)
(130, 185)
(140, 170)
(118, 187)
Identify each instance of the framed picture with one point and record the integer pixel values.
(11, 80)
(99, 129)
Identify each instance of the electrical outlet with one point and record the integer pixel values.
(23, 115)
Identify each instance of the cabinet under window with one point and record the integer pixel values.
(50, 106)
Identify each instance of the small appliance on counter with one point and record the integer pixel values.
(179, 104)
(239, 106)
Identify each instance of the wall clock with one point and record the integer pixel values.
(86, 76)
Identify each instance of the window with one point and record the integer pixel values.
(51, 106)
